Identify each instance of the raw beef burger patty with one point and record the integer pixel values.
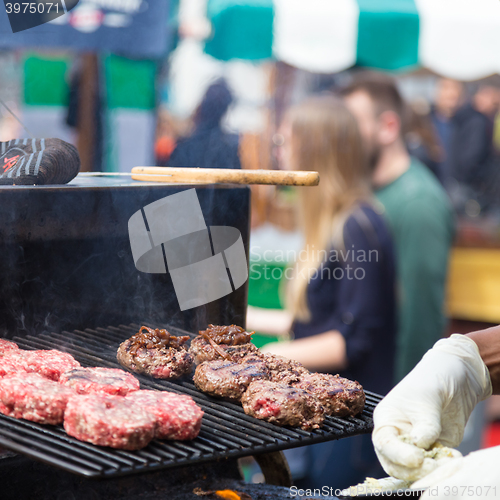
(100, 380)
(339, 396)
(222, 342)
(283, 405)
(177, 416)
(11, 363)
(51, 364)
(155, 353)
(6, 346)
(33, 397)
(106, 420)
(227, 379)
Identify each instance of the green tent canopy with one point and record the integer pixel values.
(456, 38)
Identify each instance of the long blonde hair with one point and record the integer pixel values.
(325, 138)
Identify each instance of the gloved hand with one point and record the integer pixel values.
(473, 476)
(431, 404)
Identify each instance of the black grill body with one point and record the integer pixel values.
(67, 261)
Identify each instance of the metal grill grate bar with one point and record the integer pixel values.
(226, 430)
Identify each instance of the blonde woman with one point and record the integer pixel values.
(341, 297)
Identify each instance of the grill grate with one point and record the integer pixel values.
(226, 430)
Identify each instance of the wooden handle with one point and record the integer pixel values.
(193, 175)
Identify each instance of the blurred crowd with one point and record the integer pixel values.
(457, 137)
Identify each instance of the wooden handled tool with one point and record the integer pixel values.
(193, 175)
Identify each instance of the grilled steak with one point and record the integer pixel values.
(33, 397)
(284, 370)
(6, 346)
(283, 405)
(105, 420)
(177, 416)
(100, 381)
(339, 396)
(222, 342)
(227, 379)
(51, 364)
(156, 353)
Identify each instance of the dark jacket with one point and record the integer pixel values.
(468, 147)
(206, 148)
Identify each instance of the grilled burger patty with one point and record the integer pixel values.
(177, 415)
(283, 405)
(33, 397)
(227, 379)
(202, 350)
(222, 342)
(155, 353)
(284, 370)
(339, 396)
(100, 381)
(106, 420)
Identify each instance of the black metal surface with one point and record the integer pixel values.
(67, 261)
(226, 432)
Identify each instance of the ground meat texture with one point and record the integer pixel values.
(283, 405)
(11, 363)
(227, 379)
(7, 346)
(203, 350)
(339, 396)
(161, 362)
(51, 364)
(284, 370)
(33, 397)
(105, 420)
(177, 416)
(100, 381)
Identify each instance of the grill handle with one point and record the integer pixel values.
(226, 176)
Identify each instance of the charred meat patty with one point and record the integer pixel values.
(177, 415)
(283, 370)
(156, 353)
(339, 396)
(100, 381)
(106, 420)
(227, 379)
(283, 405)
(222, 342)
(33, 397)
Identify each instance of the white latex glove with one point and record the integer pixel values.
(431, 404)
(474, 476)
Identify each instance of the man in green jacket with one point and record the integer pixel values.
(418, 212)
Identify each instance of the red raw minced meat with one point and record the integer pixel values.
(177, 415)
(98, 380)
(51, 364)
(7, 346)
(105, 420)
(33, 397)
(11, 363)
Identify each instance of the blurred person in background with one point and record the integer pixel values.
(167, 131)
(421, 138)
(209, 146)
(418, 212)
(341, 306)
(466, 137)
